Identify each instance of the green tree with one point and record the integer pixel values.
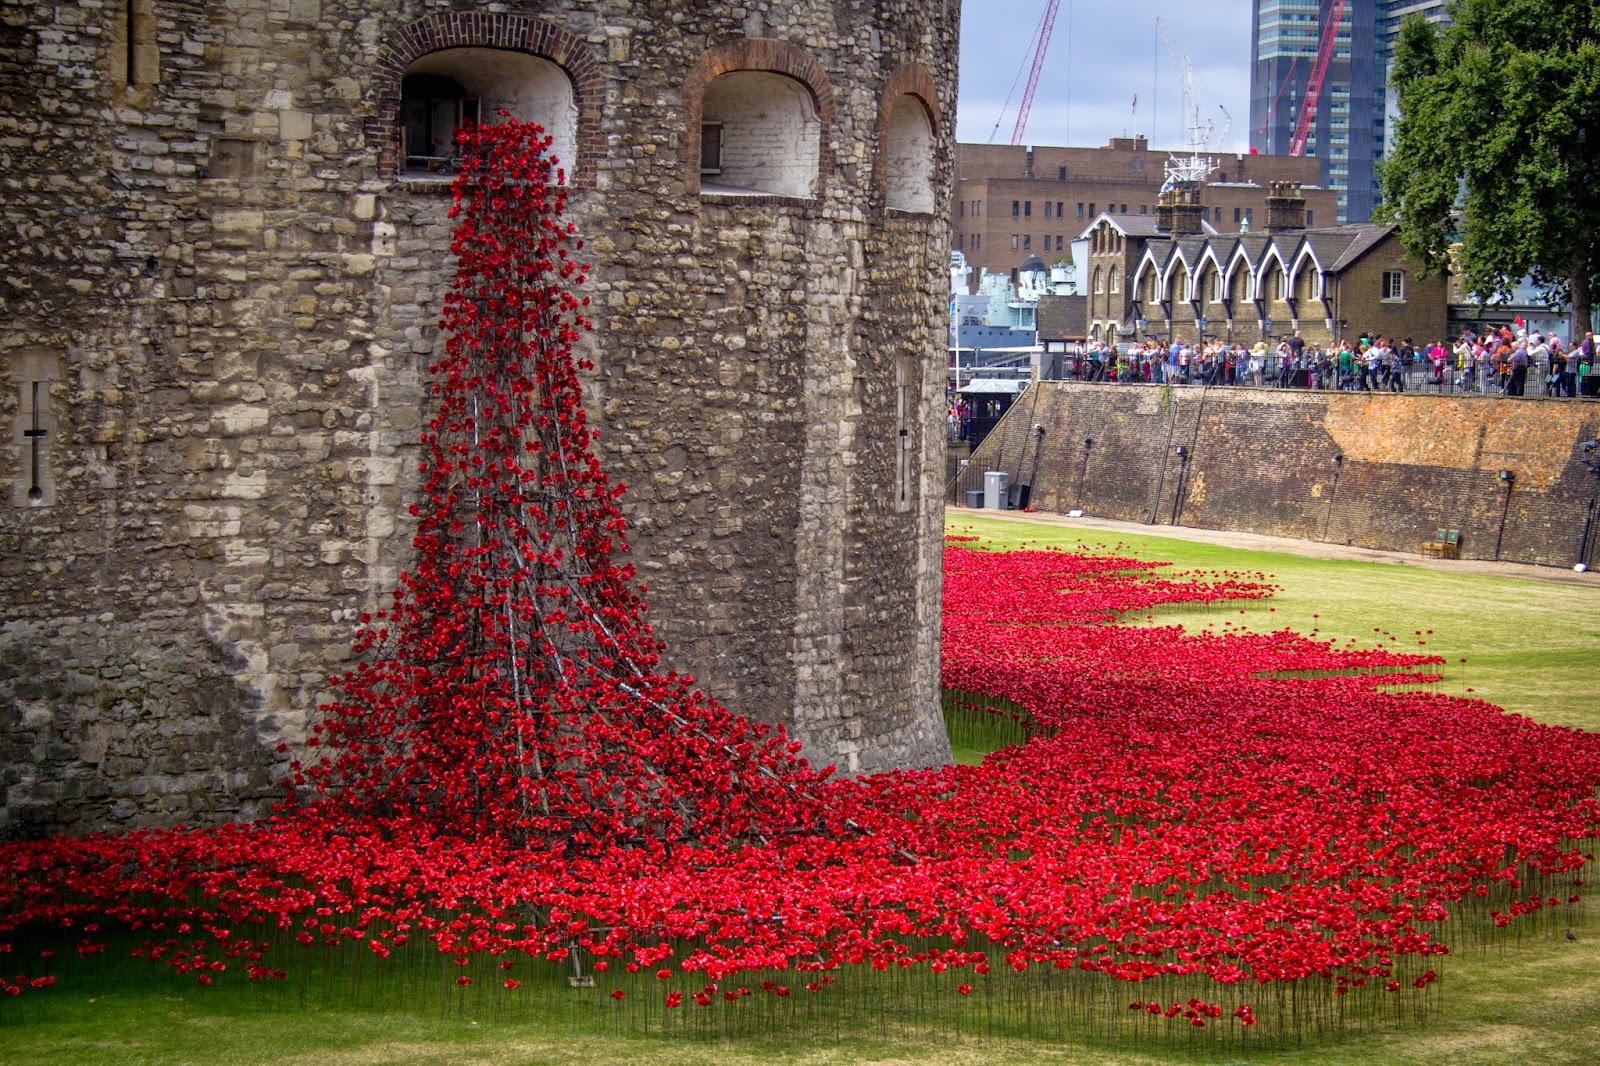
(1495, 170)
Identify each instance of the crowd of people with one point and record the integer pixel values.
(1500, 360)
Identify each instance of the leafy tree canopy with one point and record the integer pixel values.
(1495, 170)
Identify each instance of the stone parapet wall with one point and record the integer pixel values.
(1377, 470)
(242, 304)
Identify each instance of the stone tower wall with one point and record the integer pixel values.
(224, 288)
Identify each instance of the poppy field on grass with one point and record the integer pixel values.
(1222, 834)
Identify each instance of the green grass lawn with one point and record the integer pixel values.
(1531, 997)
(1530, 646)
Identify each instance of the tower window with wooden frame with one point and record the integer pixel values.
(711, 148)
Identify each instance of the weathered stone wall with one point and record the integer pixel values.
(1263, 461)
(241, 299)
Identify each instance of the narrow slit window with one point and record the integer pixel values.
(33, 430)
(135, 55)
(905, 442)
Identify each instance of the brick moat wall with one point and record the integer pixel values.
(1264, 461)
(225, 300)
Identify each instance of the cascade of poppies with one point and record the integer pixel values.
(513, 687)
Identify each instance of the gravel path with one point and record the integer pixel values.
(1314, 549)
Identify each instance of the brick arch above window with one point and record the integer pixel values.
(913, 80)
(511, 33)
(753, 54)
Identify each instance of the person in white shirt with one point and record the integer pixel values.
(1539, 359)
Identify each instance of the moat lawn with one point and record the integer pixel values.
(1532, 647)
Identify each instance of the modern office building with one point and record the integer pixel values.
(1390, 15)
(1354, 111)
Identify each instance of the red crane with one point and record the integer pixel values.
(1041, 42)
(1308, 107)
(1282, 85)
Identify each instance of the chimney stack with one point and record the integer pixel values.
(1286, 206)
(1178, 210)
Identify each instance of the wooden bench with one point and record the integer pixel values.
(1446, 544)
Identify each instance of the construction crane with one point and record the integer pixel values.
(1041, 43)
(1282, 85)
(1319, 71)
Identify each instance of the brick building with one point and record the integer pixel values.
(229, 244)
(1012, 201)
(1169, 276)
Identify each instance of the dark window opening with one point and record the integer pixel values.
(711, 148)
(432, 108)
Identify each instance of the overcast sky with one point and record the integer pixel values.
(1101, 56)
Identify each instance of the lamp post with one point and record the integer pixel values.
(1593, 464)
(1506, 479)
(1338, 465)
(1178, 492)
(1143, 324)
(1083, 470)
(1201, 323)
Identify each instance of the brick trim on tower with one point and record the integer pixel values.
(910, 79)
(511, 33)
(754, 53)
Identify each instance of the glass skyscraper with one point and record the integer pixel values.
(1390, 15)
(1354, 110)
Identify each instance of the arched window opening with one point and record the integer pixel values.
(1099, 280)
(909, 175)
(759, 134)
(1116, 280)
(445, 90)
